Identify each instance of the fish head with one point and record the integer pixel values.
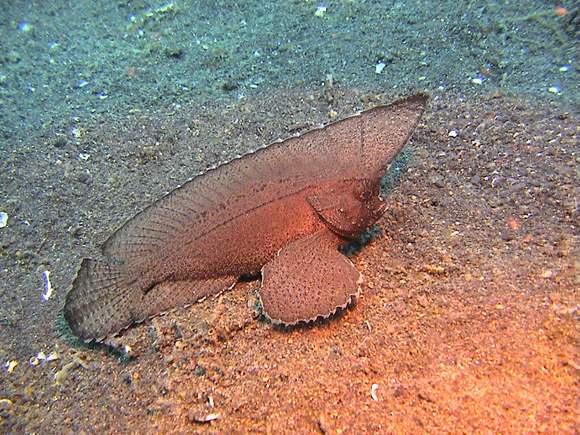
(349, 206)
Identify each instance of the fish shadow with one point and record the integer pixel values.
(312, 324)
(65, 334)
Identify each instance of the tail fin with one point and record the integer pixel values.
(102, 300)
(105, 298)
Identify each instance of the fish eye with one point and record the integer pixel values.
(366, 195)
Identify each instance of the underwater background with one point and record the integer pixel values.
(68, 60)
(468, 319)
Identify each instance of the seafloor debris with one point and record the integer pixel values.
(41, 357)
(10, 365)
(62, 374)
(379, 67)
(197, 418)
(48, 289)
(374, 389)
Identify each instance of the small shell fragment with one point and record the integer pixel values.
(47, 286)
(52, 356)
(374, 389)
(379, 67)
(3, 219)
(206, 418)
(42, 357)
(320, 10)
(10, 365)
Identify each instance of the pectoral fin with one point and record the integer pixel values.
(308, 279)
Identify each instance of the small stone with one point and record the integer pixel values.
(507, 236)
(476, 179)
(3, 219)
(437, 181)
(517, 186)
(84, 178)
(477, 81)
(554, 90)
(174, 52)
(320, 10)
(25, 27)
(453, 133)
(379, 67)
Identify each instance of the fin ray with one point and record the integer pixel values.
(105, 299)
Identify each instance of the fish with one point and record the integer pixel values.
(283, 210)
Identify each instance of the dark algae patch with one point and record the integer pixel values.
(468, 315)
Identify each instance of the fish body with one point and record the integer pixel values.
(283, 210)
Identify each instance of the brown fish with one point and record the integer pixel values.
(283, 210)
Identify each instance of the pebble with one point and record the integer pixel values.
(3, 219)
(507, 236)
(379, 67)
(453, 133)
(25, 27)
(320, 10)
(437, 181)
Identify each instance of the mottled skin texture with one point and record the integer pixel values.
(293, 202)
